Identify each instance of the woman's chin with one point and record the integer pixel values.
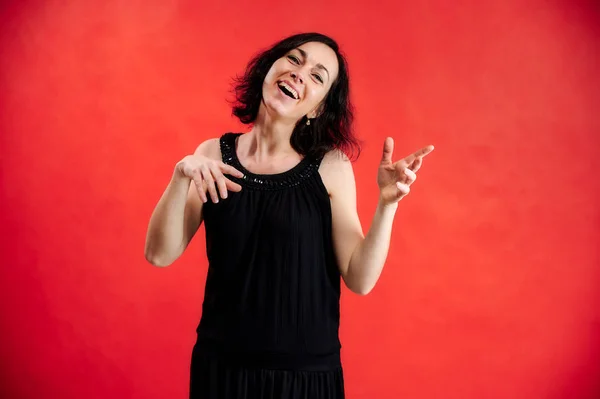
(282, 111)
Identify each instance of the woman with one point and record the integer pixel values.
(279, 207)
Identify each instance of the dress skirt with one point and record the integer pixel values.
(213, 377)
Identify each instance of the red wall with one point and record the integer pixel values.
(492, 285)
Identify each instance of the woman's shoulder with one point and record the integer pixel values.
(334, 159)
(335, 170)
(210, 148)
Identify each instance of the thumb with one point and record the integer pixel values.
(388, 148)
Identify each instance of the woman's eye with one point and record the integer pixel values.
(318, 77)
(294, 59)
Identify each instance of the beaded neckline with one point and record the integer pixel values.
(290, 178)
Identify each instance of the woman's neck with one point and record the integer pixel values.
(269, 138)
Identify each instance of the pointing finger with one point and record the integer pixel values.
(419, 154)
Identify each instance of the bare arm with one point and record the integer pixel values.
(178, 214)
(368, 255)
(361, 258)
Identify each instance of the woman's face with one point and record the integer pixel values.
(298, 82)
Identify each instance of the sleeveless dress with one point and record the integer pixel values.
(270, 316)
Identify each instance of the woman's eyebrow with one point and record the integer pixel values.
(320, 66)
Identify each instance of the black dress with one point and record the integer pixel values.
(270, 316)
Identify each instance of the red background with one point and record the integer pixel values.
(491, 289)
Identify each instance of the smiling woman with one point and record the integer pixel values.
(313, 63)
(287, 233)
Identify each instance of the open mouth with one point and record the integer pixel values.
(288, 90)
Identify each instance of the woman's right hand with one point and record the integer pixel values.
(208, 175)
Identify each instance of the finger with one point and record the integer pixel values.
(416, 165)
(403, 189)
(410, 176)
(231, 186)
(220, 179)
(210, 183)
(419, 154)
(200, 186)
(399, 167)
(388, 149)
(230, 170)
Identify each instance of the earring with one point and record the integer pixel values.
(307, 121)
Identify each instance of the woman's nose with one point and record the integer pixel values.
(297, 76)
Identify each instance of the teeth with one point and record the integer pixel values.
(291, 89)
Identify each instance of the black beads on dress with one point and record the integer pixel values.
(291, 178)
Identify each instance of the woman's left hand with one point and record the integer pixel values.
(394, 178)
